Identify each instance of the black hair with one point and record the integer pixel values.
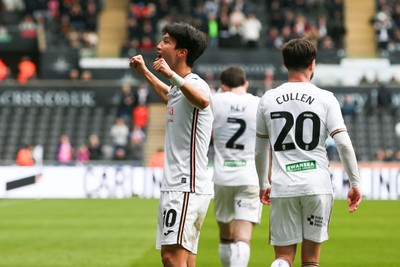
(188, 37)
(233, 77)
(298, 54)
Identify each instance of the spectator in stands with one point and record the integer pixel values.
(212, 31)
(140, 116)
(331, 149)
(147, 44)
(383, 27)
(65, 150)
(119, 133)
(209, 77)
(13, 5)
(86, 76)
(389, 155)
(83, 154)
(384, 100)
(91, 16)
(134, 31)
(397, 156)
(130, 48)
(224, 34)
(268, 82)
(120, 154)
(126, 103)
(157, 159)
(37, 154)
(24, 156)
(26, 70)
(348, 106)
(200, 17)
(337, 30)
(251, 30)
(379, 155)
(28, 27)
(74, 74)
(94, 146)
(4, 71)
(274, 39)
(142, 94)
(137, 139)
(77, 17)
(327, 44)
(4, 34)
(322, 26)
(236, 20)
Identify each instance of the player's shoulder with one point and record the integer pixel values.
(195, 79)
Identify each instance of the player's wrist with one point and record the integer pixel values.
(177, 80)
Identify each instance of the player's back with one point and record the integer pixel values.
(298, 118)
(234, 130)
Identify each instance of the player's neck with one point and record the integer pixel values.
(239, 90)
(183, 70)
(298, 76)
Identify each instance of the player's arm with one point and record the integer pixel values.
(349, 161)
(194, 95)
(346, 152)
(138, 65)
(262, 160)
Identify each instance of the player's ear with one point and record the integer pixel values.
(183, 52)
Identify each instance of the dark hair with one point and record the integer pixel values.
(188, 37)
(298, 54)
(233, 77)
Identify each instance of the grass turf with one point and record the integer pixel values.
(121, 232)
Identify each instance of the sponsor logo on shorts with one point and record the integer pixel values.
(316, 221)
(234, 163)
(301, 166)
(183, 180)
(168, 232)
(246, 204)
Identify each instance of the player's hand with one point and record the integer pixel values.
(161, 66)
(137, 64)
(354, 197)
(265, 196)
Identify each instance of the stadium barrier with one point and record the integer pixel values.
(379, 181)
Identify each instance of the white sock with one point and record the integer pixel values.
(225, 254)
(280, 263)
(240, 254)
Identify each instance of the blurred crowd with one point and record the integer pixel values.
(238, 23)
(386, 23)
(65, 22)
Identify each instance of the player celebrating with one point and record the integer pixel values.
(236, 202)
(186, 188)
(293, 122)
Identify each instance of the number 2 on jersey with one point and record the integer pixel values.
(298, 130)
(231, 142)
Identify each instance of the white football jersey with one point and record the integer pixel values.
(297, 118)
(234, 138)
(187, 138)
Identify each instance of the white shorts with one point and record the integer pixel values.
(180, 217)
(293, 219)
(237, 203)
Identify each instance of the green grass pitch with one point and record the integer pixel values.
(121, 233)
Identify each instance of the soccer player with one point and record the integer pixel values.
(186, 187)
(293, 122)
(236, 199)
